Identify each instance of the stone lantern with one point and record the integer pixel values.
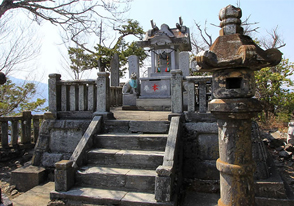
(232, 59)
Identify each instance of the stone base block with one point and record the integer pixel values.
(25, 178)
(129, 100)
(158, 104)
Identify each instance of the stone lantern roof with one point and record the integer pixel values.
(167, 38)
(232, 49)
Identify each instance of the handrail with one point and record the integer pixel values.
(167, 171)
(85, 142)
(11, 136)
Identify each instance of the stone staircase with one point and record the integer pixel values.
(121, 167)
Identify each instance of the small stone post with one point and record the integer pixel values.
(232, 59)
(103, 96)
(64, 175)
(114, 65)
(53, 93)
(4, 135)
(176, 93)
(26, 127)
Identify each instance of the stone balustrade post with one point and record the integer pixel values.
(64, 175)
(53, 92)
(163, 184)
(26, 127)
(191, 96)
(103, 96)
(4, 137)
(176, 91)
(202, 97)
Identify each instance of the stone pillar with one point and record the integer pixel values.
(176, 91)
(163, 184)
(152, 63)
(103, 96)
(173, 59)
(202, 97)
(114, 65)
(133, 65)
(235, 161)
(53, 93)
(184, 60)
(26, 127)
(191, 96)
(64, 175)
(4, 136)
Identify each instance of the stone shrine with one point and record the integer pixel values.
(169, 49)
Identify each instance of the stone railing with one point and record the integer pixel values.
(20, 131)
(81, 98)
(167, 172)
(197, 91)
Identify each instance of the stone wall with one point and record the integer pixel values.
(57, 141)
(200, 150)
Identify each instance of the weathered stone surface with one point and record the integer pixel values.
(65, 140)
(149, 126)
(103, 101)
(164, 171)
(27, 177)
(116, 126)
(86, 141)
(114, 64)
(155, 87)
(64, 175)
(163, 189)
(202, 127)
(208, 146)
(133, 61)
(184, 63)
(176, 90)
(129, 99)
(149, 142)
(49, 159)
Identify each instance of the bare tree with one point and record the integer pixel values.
(19, 48)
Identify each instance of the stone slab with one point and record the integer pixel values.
(159, 127)
(39, 195)
(25, 178)
(90, 195)
(155, 88)
(129, 99)
(151, 103)
(131, 141)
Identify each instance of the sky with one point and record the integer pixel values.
(268, 13)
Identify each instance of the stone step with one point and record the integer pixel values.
(138, 159)
(158, 127)
(84, 195)
(119, 178)
(130, 141)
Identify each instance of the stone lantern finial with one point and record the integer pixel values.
(230, 20)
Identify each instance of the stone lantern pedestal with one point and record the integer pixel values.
(235, 162)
